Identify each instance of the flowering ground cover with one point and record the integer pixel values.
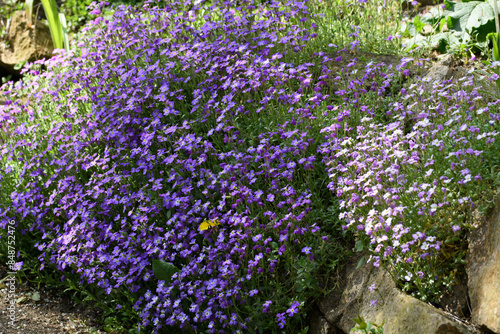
(199, 167)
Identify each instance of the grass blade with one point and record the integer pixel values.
(64, 27)
(50, 8)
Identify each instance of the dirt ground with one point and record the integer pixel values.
(42, 311)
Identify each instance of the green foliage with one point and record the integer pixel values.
(465, 23)
(367, 327)
(495, 52)
(163, 270)
(77, 13)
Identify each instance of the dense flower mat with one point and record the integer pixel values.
(179, 161)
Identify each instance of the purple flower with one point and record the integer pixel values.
(294, 308)
(266, 306)
(306, 250)
(281, 319)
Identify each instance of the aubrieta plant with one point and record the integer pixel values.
(175, 167)
(409, 186)
(166, 119)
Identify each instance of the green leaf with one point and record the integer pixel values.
(466, 21)
(19, 65)
(359, 246)
(495, 52)
(439, 41)
(21, 300)
(448, 22)
(64, 27)
(419, 25)
(35, 296)
(361, 262)
(474, 18)
(164, 271)
(50, 8)
(434, 15)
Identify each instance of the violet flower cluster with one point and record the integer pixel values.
(160, 122)
(192, 134)
(409, 184)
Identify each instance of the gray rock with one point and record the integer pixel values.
(402, 313)
(483, 270)
(441, 70)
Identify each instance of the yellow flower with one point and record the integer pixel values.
(207, 224)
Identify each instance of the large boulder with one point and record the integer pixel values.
(401, 313)
(24, 42)
(483, 270)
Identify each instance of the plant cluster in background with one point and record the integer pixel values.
(174, 168)
(452, 27)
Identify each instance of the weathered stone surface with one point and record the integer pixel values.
(24, 43)
(483, 269)
(319, 325)
(441, 70)
(402, 313)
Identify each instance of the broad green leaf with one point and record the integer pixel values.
(474, 18)
(439, 41)
(433, 16)
(446, 22)
(163, 271)
(21, 300)
(20, 65)
(467, 21)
